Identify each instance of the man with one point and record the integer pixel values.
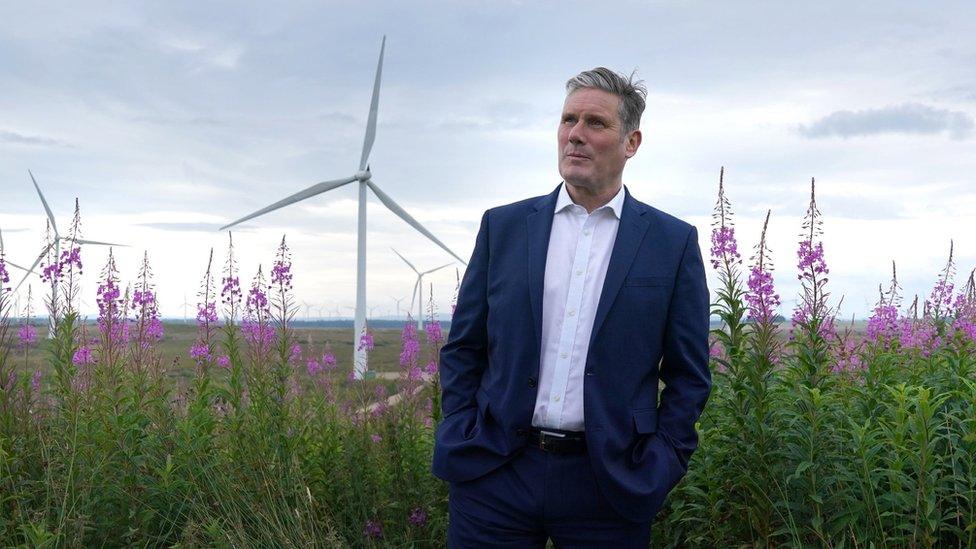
(572, 307)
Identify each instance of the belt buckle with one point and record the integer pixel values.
(542, 441)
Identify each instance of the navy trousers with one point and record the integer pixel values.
(535, 496)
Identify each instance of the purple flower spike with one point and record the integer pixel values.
(940, 300)
(27, 335)
(762, 298)
(281, 271)
(366, 340)
(410, 344)
(725, 249)
(373, 530)
(418, 517)
(83, 356)
(200, 352)
(812, 273)
(230, 292)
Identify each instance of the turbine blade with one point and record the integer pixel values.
(405, 261)
(373, 108)
(31, 270)
(16, 266)
(95, 242)
(395, 208)
(318, 188)
(439, 268)
(413, 297)
(47, 208)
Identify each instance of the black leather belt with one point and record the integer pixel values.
(556, 441)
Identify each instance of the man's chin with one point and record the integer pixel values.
(576, 178)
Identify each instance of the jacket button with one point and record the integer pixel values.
(520, 432)
(532, 382)
(589, 372)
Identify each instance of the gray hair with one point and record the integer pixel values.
(632, 93)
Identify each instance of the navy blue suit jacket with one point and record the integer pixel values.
(651, 323)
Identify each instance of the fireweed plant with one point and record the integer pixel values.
(857, 436)
(815, 438)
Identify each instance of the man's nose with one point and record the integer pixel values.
(576, 133)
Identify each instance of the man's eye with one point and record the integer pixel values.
(569, 120)
(597, 123)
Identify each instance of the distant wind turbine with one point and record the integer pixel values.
(56, 244)
(397, 300)
(419, 287)
(186, 305)
(364, 178)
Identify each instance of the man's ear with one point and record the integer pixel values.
(633, 143)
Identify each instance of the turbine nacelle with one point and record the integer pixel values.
(363, 176)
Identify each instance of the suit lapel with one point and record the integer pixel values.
(630, 233)
(538, 225)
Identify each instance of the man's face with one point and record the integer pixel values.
(592, 150)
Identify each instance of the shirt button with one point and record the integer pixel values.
(556, 398)
(579, 272)
(572, 313)
(563, 355)
(586, 232)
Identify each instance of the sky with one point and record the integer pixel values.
(169, 120)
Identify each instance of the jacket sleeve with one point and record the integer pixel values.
(684, 366)
(464, 357)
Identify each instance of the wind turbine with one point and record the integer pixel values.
(397, 300)
(56, 244)
(185, 305)
(419, 286)
(364, 179)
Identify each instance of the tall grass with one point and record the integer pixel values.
(816, 435)
(268, 444)
(826, 438)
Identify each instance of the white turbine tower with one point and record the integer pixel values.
(364, 178)
(186, 304)
(419, 287)
(56, 244)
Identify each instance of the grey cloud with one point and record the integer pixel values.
(21, 139)
(965, 93)
(910, 118)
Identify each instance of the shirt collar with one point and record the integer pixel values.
(615, 205)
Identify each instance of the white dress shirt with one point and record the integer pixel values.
(576, 266)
